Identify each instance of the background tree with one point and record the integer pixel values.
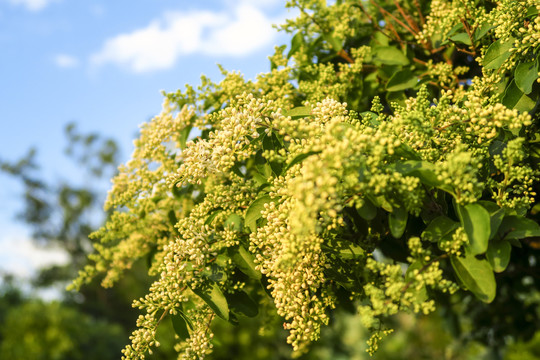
(92, 324)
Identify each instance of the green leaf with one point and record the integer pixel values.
(476, 275)
(234, 222)
(455, 30)
(242, 304)
(405, 151)
(334, 42)
(296, 43)
(525, 75)
(180, 326)
(390, 55)
(212, 216)
(482, 31)
(344, 249)
(172, 218)
(244, 261)
(212, 295)
(298, 112)
(496, 215)
(371, 117)
(518, 227)
(461, 38)
(497, 53)
(514, 98)
(532, 11)
(397, 220)
(438, 228)
(184, 135)
(498, 255)
(368, 210)
(402, 80)
(253, 213)
(271, 142)
(476, 222)
(214, 272)
(423, 170)
(299, 158)
(236, 169)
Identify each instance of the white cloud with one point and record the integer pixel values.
(21, 257)
(32, 5)
(239, 31)
(66, 61)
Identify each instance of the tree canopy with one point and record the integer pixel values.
(388, 163)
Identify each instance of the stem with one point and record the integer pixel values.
(407, 17)
(383, 11)
(468, 30)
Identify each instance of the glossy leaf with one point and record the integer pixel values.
(525, 75)
(498, 255)
(347, 250)
(368, 210)
(482, 31)
(439, 227)
(212, 295)
(334, 42)
(245, 262)
(180, 326)
(496, 216)
(476, 275)
(402, 80)
(234, 222)
(184, 135)
(461, 38)
(497, 53)
(242, 304)
(518, 227)
(299, 158)
(214, 272)
(514, 98)
(423, 170)
(298, 112)
(253, 212)
(476, 222)
(212, 216)
(532, 11)
(390, 55)
(296, 43)
(397, 220)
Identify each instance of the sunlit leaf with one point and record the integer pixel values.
(498, 254)
(476, 222)
(212, 295)
(402, 80)
(244, 261)
(397, 221)
(253, 212)
(476, 275)
(497, 53)
(439, 227)
(390, 55)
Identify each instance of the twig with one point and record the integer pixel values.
(407, 17)
(394, 18)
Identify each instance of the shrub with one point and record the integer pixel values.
(388, 161)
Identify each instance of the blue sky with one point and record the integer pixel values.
(102, 64)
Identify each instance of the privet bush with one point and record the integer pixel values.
(389, 160)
